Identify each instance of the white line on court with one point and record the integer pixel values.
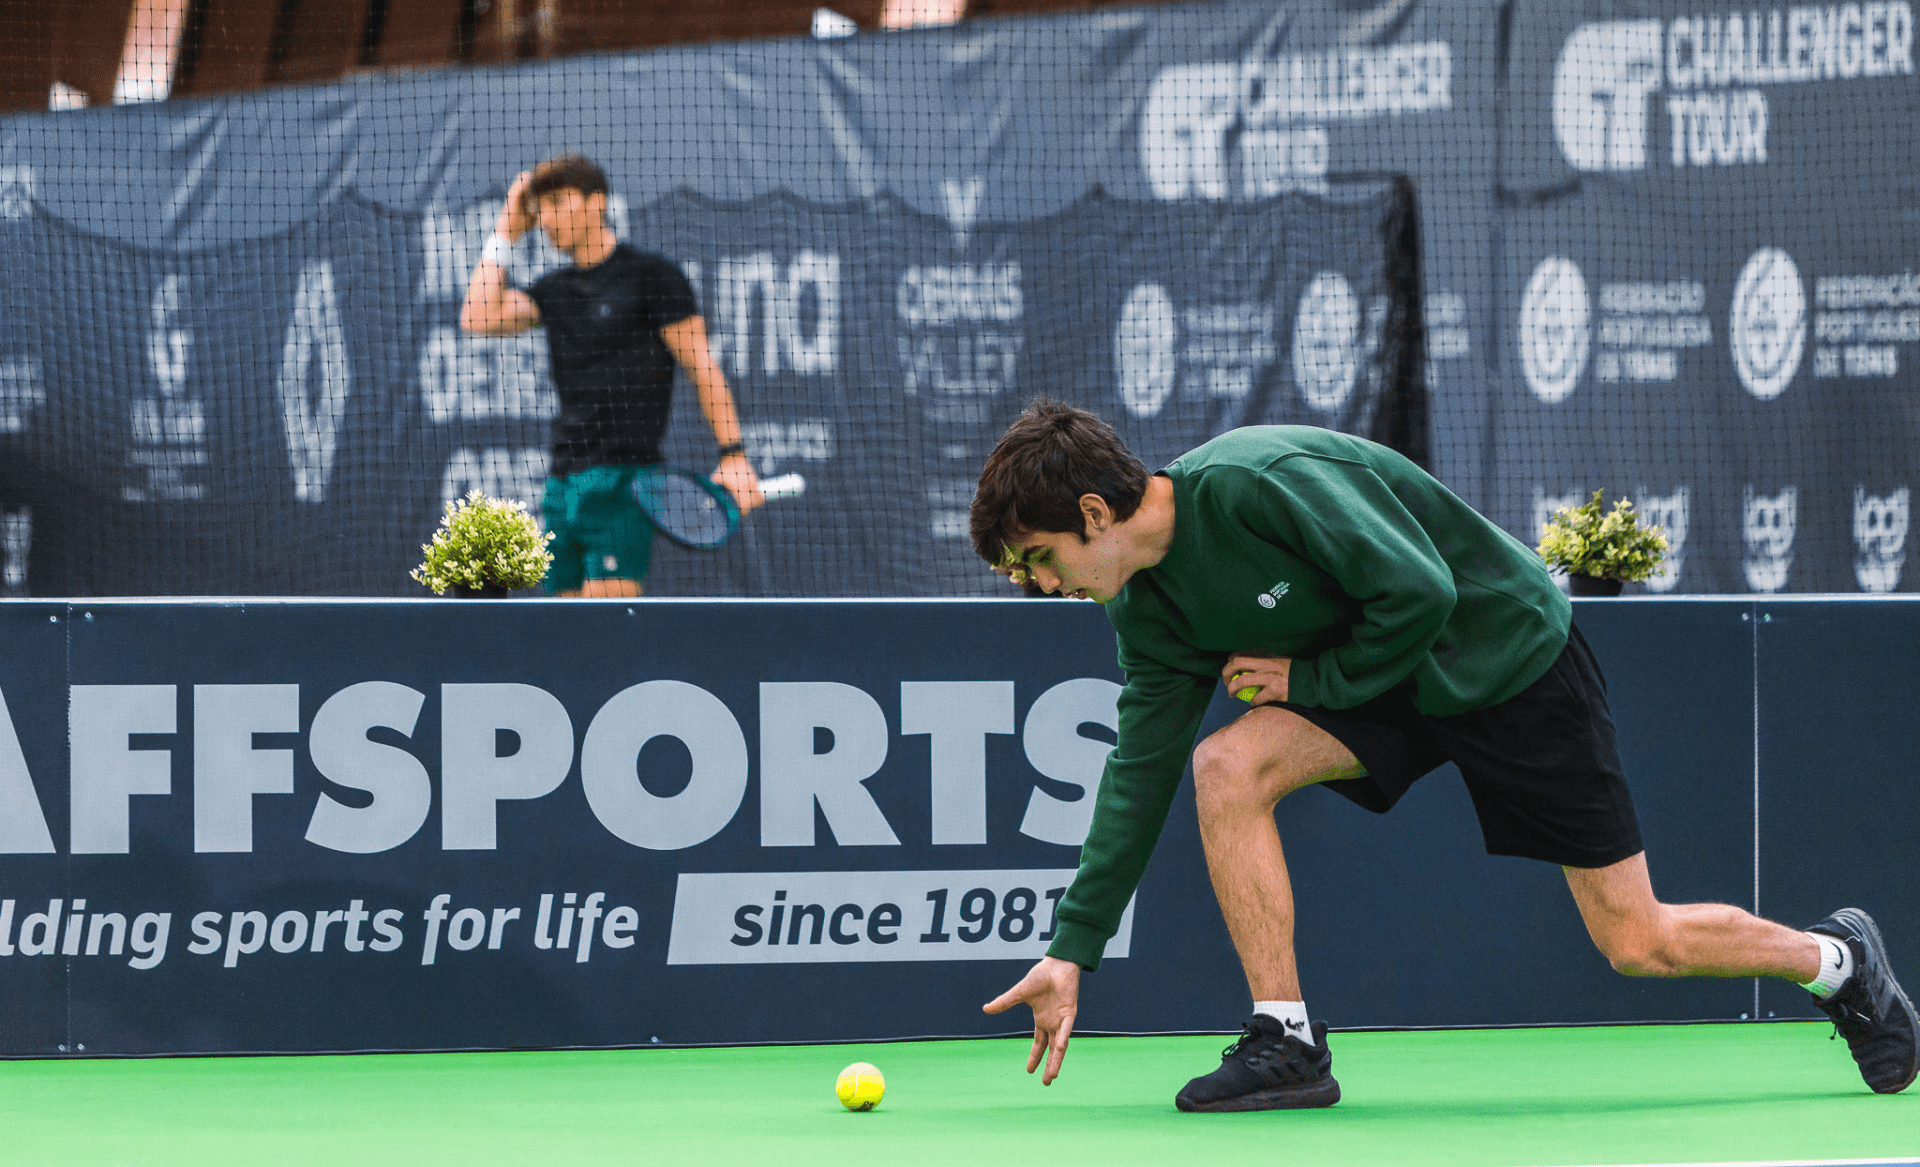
(1906, 1161)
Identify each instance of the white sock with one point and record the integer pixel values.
(1836, 965)
(1292, 1014)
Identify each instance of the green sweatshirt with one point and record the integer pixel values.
(1330, 549)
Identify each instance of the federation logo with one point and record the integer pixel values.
(1768, 323)
(1326, 341)
(1272, 595)
(1146, 350)
(1879, 538)
(1555, 329)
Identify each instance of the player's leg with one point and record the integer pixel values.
(569, 569)
(616, 535)
(610, 588)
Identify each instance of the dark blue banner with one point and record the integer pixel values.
(232, 363)
(1626, 245)
(289, 414)
(297, 825)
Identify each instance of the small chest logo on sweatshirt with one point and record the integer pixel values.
(1273, 595)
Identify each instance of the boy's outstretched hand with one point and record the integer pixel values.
(1052, 990)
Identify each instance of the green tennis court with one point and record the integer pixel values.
(1490, 1098)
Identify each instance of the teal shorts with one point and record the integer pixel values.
(599, 532)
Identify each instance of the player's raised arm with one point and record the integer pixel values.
(687, 340)
(1052, 990)
(491, 307)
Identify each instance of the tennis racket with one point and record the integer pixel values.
(694, 510)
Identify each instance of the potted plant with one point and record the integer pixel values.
(485, 547)
(1601, 550)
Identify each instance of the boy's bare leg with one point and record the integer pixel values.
(1281, 1061)
(1643, 937)
(1240, 773)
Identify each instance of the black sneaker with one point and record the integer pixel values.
(1870, 1011)
(1269, 1068)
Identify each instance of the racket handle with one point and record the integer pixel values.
(783, 486)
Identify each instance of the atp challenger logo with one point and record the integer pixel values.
(1709, 72)
(1768, 323)
(1555, 329)
(1253, 128)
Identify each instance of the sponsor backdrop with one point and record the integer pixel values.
(1710, 280)
(399, 829)
(1653, 248)
(229, 353)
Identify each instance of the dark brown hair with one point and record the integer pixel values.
(1038, 470)
(567, 172)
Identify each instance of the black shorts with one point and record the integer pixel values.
(1542, 766)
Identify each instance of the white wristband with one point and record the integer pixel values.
(498, 250)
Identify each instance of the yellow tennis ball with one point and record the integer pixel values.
(1248, 693)
(860, 1086)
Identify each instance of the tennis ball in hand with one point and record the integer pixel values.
(1248, 694)
(860, 1086)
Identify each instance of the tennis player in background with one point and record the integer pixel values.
(1378, 627)
(617, 322)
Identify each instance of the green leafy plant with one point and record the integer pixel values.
(1605, 544)
(485, 542)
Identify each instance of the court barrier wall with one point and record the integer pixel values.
(324, 826)
(1663, 249)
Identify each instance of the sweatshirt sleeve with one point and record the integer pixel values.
(1160, 713)
(1346, 520)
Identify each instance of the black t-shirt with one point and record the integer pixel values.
(613, 372)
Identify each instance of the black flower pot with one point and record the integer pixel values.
(1594, 585)
(483, 592)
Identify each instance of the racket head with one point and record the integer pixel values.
(690, 509)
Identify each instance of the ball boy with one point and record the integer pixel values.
(1378, 627)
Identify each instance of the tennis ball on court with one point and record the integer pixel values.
(860, 1086)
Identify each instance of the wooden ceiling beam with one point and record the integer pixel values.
(231, 47)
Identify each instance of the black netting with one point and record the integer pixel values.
(1543, 248)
